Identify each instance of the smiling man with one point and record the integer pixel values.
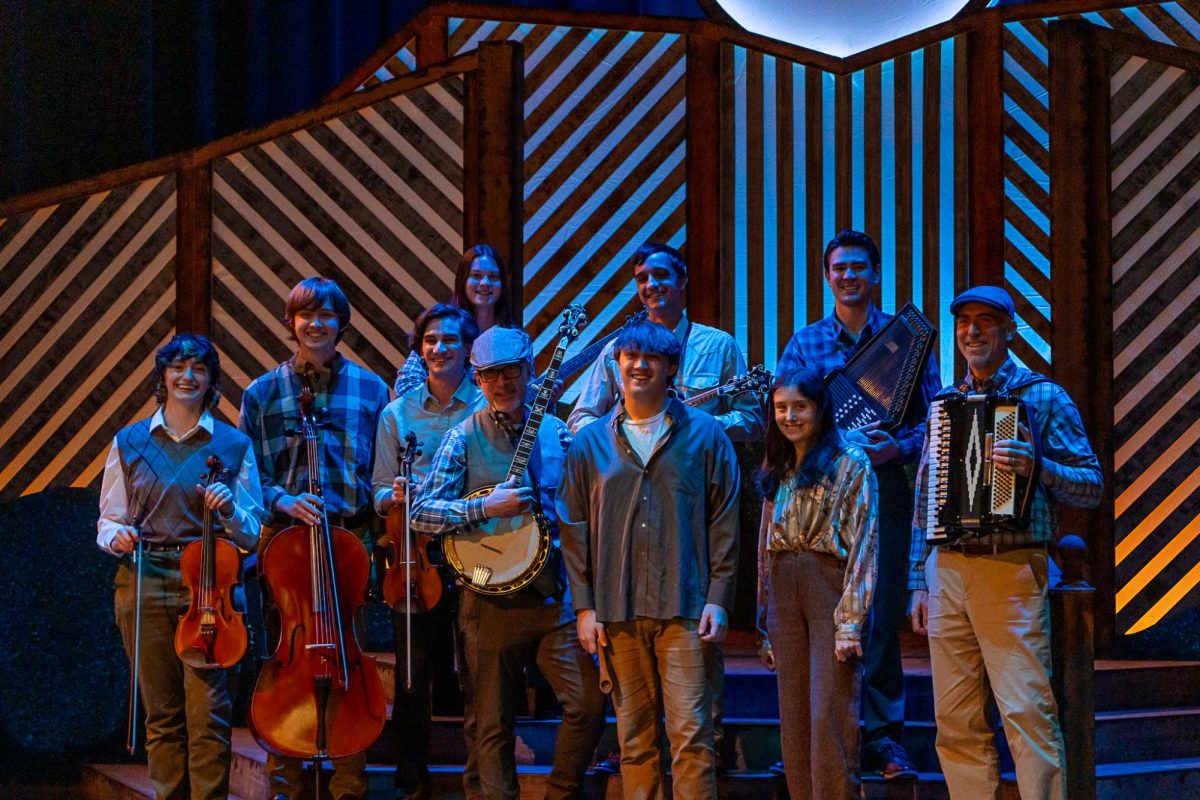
(852, 268)
(502, 633)
(708, 357)
(348, 400)
(983, 599)
(649, 513)
(154, 492)
(442, 335)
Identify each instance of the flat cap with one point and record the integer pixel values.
(994, 296)
(498, 346)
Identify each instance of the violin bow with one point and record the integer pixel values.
(131, 742)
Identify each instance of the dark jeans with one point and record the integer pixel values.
(883, 674)
(432, 642)
(500, 636)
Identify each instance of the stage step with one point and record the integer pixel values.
(121, 782)
(1147, 742)
(1174, 779)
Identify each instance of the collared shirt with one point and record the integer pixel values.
(1069, 470)
(710, 358)
(657, 539)
(351, 398)
(420, 412)
(837, 517)
(242, 527)
(439, 506)
(827, 344)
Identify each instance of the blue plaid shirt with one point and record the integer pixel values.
(1070, 471)
(826, 345)
(438, 505)
(351, 398)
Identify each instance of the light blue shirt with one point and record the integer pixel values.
(420, 412)
(711, 357)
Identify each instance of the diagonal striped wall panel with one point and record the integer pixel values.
(1027, 189)
(372, 199)
(402, 62)
(788, 188)
(87, 293)
(1027, 268)
(604, 164)
(1155, 162)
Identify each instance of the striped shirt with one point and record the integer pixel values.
(348, 402)
(838, 517)
(826, 345)
(1069, 470)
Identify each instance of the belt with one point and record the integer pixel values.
(150, 547)
(983, 549)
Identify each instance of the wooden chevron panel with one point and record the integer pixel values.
(815, 153)
(604, 164)
(87, 293)
(1027, 189)
(1155, 162)
(402, 62)
(372, 199)
(1027, 267)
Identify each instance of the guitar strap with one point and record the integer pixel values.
(678, 382)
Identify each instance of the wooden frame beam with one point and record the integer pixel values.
(193, 249)
(703, 178)
(493, 160)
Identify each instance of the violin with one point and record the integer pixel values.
(211, 634)
(318, 696)
(411, 580)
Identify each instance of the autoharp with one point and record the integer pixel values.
(965, 494)
(877, 382)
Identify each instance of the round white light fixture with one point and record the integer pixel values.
(839, 27)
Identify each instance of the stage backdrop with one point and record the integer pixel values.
(940, 146)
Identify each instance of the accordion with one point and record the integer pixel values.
(965, 494)
(877, 382)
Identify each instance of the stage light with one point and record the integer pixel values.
(839, 27)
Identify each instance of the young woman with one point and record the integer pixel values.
(817, 552)
(478, 288)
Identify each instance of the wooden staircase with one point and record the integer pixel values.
(1147, 742)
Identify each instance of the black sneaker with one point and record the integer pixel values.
(891, 761)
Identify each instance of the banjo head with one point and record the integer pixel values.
(500, 557)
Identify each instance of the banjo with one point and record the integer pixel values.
(503, 556)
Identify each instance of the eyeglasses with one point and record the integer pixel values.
(490, 375)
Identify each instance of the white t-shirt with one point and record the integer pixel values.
(644, 434)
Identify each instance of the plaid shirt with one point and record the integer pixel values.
(351, 398)
(412, 373)
(438, 505)
(826, 345)
(1070, 471)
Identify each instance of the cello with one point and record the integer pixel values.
(411, 580)
(211, 634)
(318, 696)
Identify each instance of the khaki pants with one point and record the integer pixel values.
(655, 661)
(989, 624)
(187, 710)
